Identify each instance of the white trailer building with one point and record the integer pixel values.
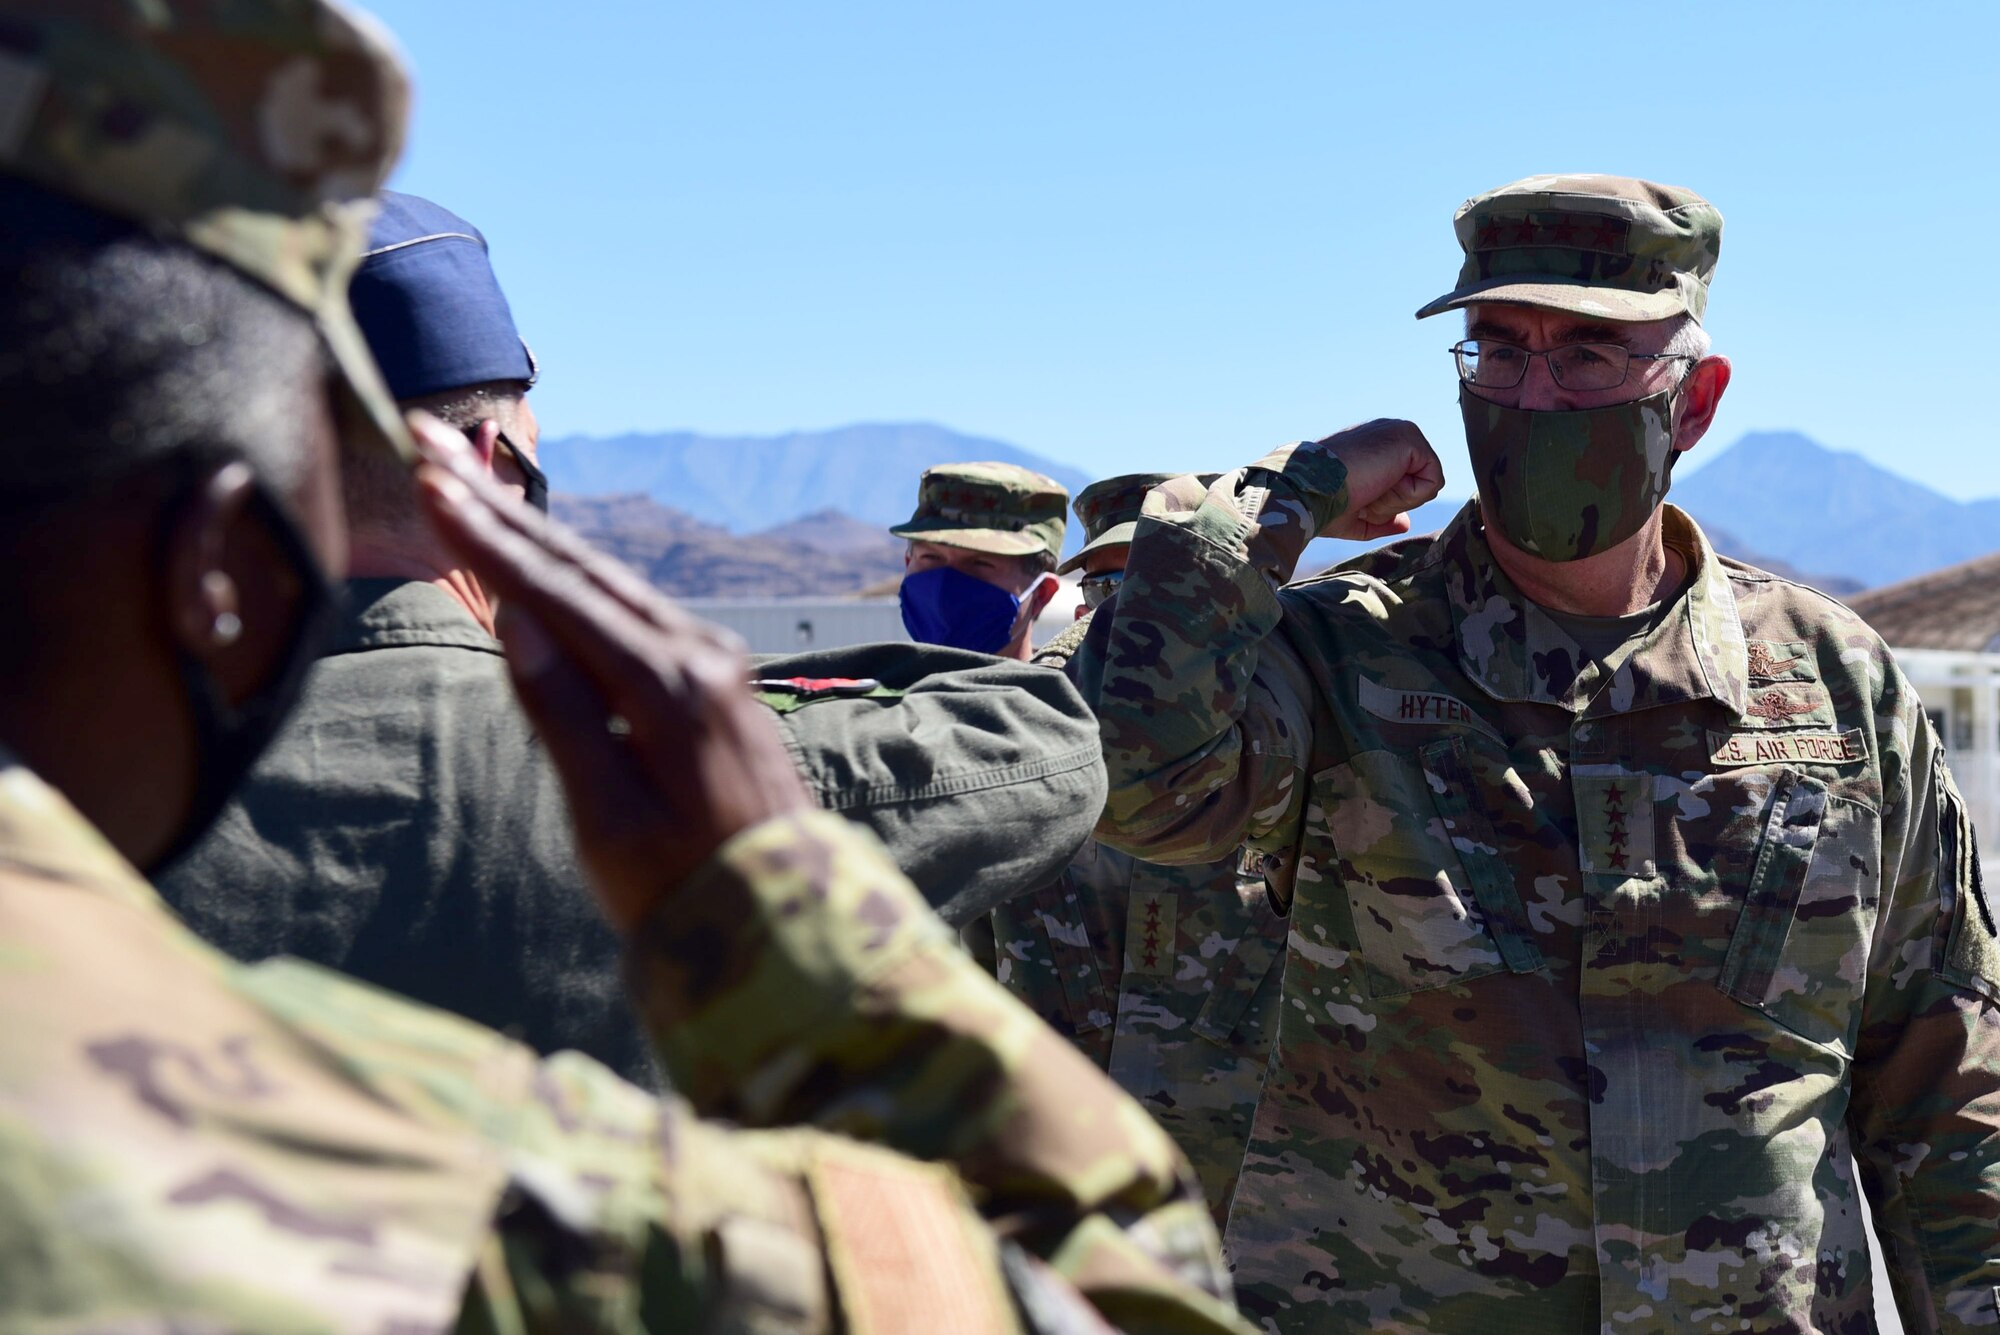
(1945, 629)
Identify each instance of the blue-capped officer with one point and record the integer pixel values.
(406, 827)
(443, 333)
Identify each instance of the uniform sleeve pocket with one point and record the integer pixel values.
(1971, 954)
(1431, 902)
(1259, 950)
(1800, 949)
(1064, 985)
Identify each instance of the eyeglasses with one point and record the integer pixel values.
(1485, 363)
(1098, 589)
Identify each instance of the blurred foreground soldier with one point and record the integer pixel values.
(1167, 977)
(405, 827)
(1632, 894)
(191, 1144)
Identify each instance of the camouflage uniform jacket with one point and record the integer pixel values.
(190, 1144)
(1593, 986)
(1166, 977)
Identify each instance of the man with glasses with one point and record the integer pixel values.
(1165, 976)
(1631, 901)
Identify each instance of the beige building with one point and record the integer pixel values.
(1945, 629)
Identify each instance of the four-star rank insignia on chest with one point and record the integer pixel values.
(1614, 824)
(1150, 924)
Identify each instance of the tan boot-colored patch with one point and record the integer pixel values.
(908, 1254)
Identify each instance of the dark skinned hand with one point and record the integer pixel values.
(662, 751)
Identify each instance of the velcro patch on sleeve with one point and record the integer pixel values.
(1432, 707)
(1786, 748)
(907, 1253)
(1972, 943)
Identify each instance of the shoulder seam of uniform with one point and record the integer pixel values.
(843, 798)
(1427, 557)
(1750, 574)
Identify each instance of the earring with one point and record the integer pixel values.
(228, 629)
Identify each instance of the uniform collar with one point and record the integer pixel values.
(41, 833)
(1515, 651)
(386, 613)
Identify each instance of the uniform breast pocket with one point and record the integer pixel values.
(1799, 952)
(1431, 902)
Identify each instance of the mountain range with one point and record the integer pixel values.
(1834, 511)
(819, 554)
(805, 513)
(746, 484)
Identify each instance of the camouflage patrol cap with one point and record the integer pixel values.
(256, 131)
(1604, 246)
(1109, 511)
(1000, 508)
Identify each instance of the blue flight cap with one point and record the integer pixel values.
(428, 303)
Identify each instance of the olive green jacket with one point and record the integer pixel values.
(407, 828)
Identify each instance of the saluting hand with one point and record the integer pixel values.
(1391, 470)
(663, 753)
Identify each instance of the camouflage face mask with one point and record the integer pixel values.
(1566, 485)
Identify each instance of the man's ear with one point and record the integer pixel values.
(1701, 395)
(1039, 596)
(485, 442)
(206, 615)
(230, 597)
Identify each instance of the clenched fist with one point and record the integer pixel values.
(1391, 470)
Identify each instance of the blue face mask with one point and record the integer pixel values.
(947, 607)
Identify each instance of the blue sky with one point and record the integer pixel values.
(1171, 235)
